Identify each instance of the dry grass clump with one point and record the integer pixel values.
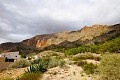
(84, 56)
(30, 76)
(21, 63)
(6, 78)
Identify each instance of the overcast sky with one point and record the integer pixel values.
(22, 19)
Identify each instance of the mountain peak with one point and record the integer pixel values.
(84, 36)
(85, 28)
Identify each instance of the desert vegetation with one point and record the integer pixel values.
(21, 63)
(109, 69)
(103, 56)
(30, 76)
(84, 56)
(39, 66)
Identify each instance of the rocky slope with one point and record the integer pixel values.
(87, 35)
(9, 46)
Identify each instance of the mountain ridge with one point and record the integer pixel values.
(85, 36)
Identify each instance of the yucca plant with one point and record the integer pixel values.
(40, 67)
(32, 69)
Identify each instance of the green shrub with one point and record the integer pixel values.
(30, 76)
(23, 55)
(112, 45)
(54, 62)
(109, 69)
(61, 63)
(37, 68)
(77, 50)
(21, 63)
(44, 61)
(41, 65)
(83, 57)
(97, 58)
(55, 54)
(80, 63)
(89, 68)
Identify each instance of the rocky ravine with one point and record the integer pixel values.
(87, 35)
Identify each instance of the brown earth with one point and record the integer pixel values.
(4, 65)
(14, 73)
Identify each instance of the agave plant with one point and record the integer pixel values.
(40, 67)
(32, 69)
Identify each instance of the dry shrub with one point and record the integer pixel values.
(109, 69)
(21, 63)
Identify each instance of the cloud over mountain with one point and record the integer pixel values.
(21, 19)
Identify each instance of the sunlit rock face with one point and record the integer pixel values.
(86, 35)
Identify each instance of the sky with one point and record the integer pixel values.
(22, 19)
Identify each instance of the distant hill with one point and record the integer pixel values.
(85, 36)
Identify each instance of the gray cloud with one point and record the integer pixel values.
(21, 19)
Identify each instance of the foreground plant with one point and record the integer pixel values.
(30, 76)
(109, 69)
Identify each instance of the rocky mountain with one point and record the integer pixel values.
(9, 46)
(87, 35)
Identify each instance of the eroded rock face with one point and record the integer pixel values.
(87, 35)
(42, 43)
(38, 41)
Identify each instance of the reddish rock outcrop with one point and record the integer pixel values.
(87, 35)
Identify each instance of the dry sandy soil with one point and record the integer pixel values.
(12, 73)
(69, 72)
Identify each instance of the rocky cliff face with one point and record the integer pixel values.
(87, 35)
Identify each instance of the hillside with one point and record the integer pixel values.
(91, 53)
(85, 36)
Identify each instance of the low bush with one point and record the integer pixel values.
(30, 76)
(89, 68)
(41, 65)
(21, 63)
(85, 56)
(80, 63)
(73, 51)
(55, 54)
(109, 68)
(37, 68)
(54, 62)
(44, 61)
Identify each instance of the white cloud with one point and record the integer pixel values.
(33, 17)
